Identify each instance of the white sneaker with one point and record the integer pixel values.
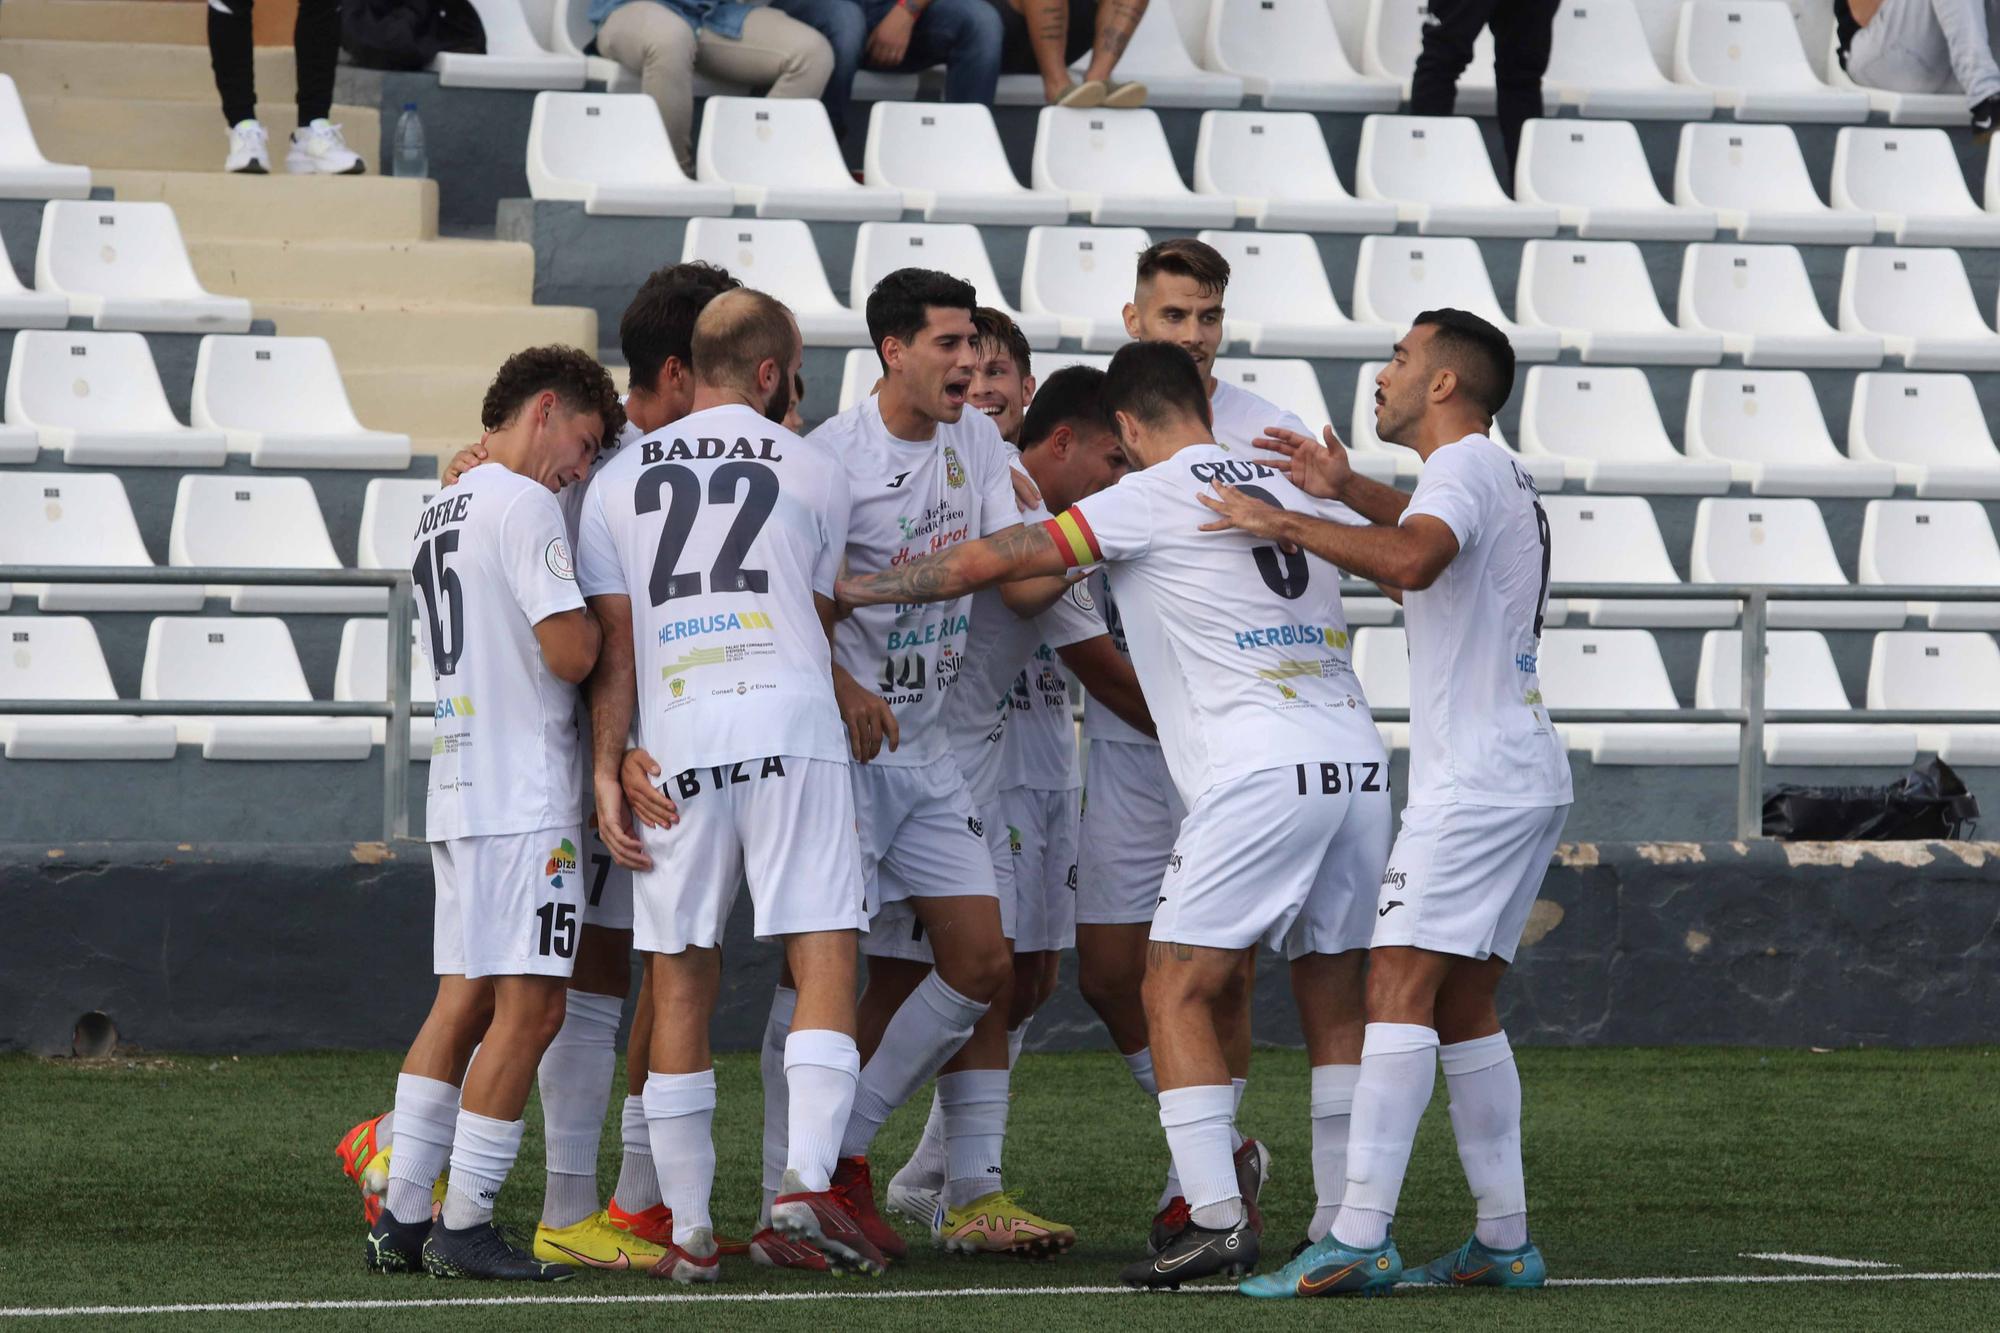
(318, 150)
(249, 149)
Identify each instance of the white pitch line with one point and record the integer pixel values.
(1820, 1260)
(901, 1293)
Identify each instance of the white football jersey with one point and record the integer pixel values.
(910, 498)
(720, 527)
(1242, 650)
(491, 561)
(1479, 731)
(1039, 749)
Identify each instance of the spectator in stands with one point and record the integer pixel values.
(1046, 37)
(1521, 35)
(317, 148)
(665, 41)
(1923, 46)
(904, 36)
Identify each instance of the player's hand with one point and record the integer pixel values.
(650, 805)
(870, 722)
(1317, 469)
(464, 461)
(1234, 509)
(890, 41)
(614, 825)
(1026, 494)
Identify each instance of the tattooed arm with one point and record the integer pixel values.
(1020, 552)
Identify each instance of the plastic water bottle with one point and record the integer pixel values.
(411, 159)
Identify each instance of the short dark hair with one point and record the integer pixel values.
(1153, 382)
(737, 332)
(579, 384)
(1073, 396)
(660, 321)
(1476, 351)
(996, 328)
(900, 305)
(1185, 257)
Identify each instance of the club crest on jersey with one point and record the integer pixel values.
(562, 861)
(1287, 691)
(954, 471)
(556, 554)
(677, 686)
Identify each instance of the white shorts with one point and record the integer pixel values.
(784, 825)
(1041, 838)
(1131, 814)
(1463, 878)
(508, 905)
(895, 931)
(1289, 856)
(608, 891)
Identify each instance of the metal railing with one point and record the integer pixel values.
(1752, 716)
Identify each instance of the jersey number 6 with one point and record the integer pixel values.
(684, 505)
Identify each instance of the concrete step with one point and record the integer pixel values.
(106, 21)
(425, 402)
(438, 271)
(388, 334)
(177, 72)
(216, 204)
(166, 135)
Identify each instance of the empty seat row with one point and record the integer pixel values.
(119, 265)
(190, 658)
(96, 398)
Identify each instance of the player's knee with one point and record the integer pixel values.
(983, 978)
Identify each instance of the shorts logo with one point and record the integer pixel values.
(556, 555)
(677, 685)
(977, 826)
(562, 861)
(1013, 840)
(954, 471)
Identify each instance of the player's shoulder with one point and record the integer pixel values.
(1475, 459)
(844, 435)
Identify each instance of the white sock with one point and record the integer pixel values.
(1486, 1119)
(1197, 1122)
(926, 1166)
(974, 1105)
(821, 1067)
(482, 1153)
(1237, 1086)
(575, 1086)
(777, 1094)
(927, 1031)
(1140, 1065)
(1015, 1037)
(680, 1112)
(1398, 1071)
(1332, 1108)
(638, 1179)
(426, 1120)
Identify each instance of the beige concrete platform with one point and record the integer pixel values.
(354, 208)
(106, 21)
(178, 72)
(442, 271)
(169, 135)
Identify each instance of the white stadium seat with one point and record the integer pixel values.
(609, 152)
(1281, 304)
(1798, 673)
(361, 673)
(1947, 109)
(1910, 181)
(281, 401)
(58, 658)
(1364, 445)
(1603, 424)
(880, 248)
(1622, 669)
(1290, 383)
(1287, 53)
(229, 658)
(1084, 277)
(780, 156)
(515, 57)
(22, 308)
(24, 172)
(860, 368)
(1381, 661)
(1599, 297)
(1595, 175)
(1600, 63)
(124, 266)
(1616, 539)
(777, 255)
(1943, 542)
(1915, 669)
(19, 444)
(1930, 428)
(1277, 168)
(1116, 167)
(1760, 299)
(1767, 424)
(1396, 277)
(1158, 57)
(1779, 541)
(389, 510)
(80, 518)
(1919, 302)
(1747, 52)
(1754, 177)
(947, 159)
(260, 523)
(1436, 171)
(97, 399)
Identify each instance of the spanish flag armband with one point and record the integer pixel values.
(1074, 538)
